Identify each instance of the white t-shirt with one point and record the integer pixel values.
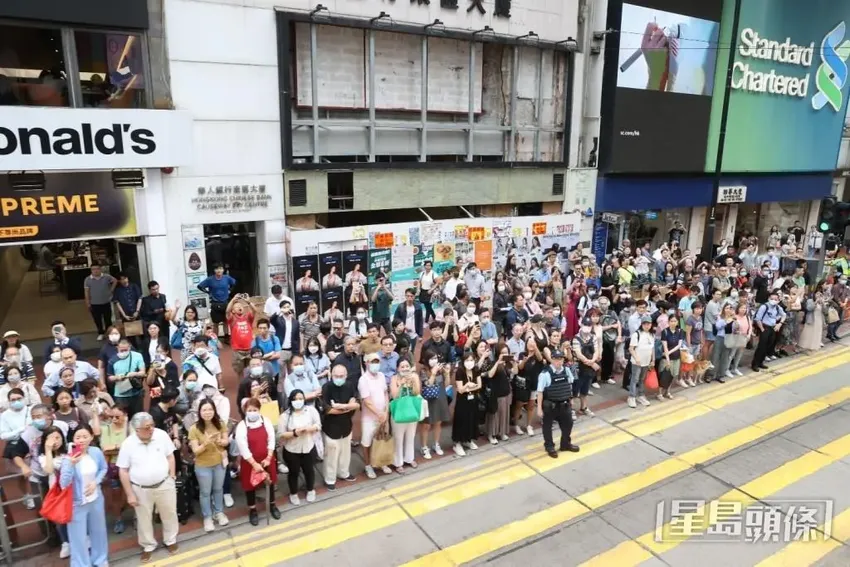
(207, 371)
(88, 472)
(426, 280)
(644, 344)
(147, 462)
(410, 320)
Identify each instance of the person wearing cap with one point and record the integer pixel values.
(12, 338)
(374, 395)
(554, 392)
(588, 354)
(642, 350)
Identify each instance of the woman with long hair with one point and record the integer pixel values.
(84, 469)
(721, 354)
(297, 429)
(53, 442)
(317, 362)
(434, 379)
(208, 440)
(116, 428)
(467, 386)
(404, 383)
(742, 330)
(189, 328)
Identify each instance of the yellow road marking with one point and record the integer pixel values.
(464, 476)
(804, 553)
(757, 489)
(514, 532)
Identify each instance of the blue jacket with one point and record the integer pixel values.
(70, 473)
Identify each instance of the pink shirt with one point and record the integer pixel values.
(373, 387)
(743, 325)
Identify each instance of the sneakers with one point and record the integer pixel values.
(683, 383)
(349, 478)
(458, 449)
(529, 430)
(282, 468)
(595, 385)
(370, 473)
(209, 526)
(643, 401)
(412, 464)
(65, 551)
(504, 437)
(493, 440)
(610, 381)
(591, 392)
(119, 527)
(386, 470)
(588, 413)
(438, 450)
(228, 500)
(221, 519)
(690, 382)
(631, 402)
(738, 372)
(100, 337)
(518, 429)
(573, 414)
(668, 395)
(311, 496)
(295, 501)
(473, 446)
(29, 503)
(426, 453)
(729, 374)
(660, 397)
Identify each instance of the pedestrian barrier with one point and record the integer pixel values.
(10, 542)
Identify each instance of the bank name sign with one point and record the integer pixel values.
(830, 75)
(42, 139)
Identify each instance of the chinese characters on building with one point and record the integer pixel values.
(729, 520)
(231, 198)
(501, 9)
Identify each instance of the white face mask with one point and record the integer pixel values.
(469, 364)
(526, 294)
(114, 338)
(433, 362)
(471, 310)
(55, 356)
(313, 349)
(361, 316)
(297, 404)
(374, 368)
(200, 352)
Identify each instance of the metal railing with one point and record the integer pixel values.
(7, 547)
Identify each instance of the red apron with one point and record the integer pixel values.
(258, 439)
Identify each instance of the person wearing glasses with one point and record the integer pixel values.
(146, 469)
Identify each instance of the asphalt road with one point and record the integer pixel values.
(723, 475)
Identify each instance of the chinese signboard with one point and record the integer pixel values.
(231, 198)
(736, 194)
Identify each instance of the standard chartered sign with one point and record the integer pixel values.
(831, 74)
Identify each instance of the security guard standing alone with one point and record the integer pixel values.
(554, 387)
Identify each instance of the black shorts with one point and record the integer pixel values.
(218, 312)
(582, 383)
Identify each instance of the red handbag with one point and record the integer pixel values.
(258, 477)
(651, 379)
(58, 505)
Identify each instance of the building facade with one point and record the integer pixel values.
(757, 124)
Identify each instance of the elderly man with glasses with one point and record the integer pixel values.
(146, 468)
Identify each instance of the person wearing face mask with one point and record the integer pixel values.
(221, 402)
(433, 378)
(465, 422)
(54, 364)
(374, 396)
(162, 374)
(318, 363)
(127, 371)
(554, 392)
(359, 326)
(13, 339)
(92, 400)
(14, 380)
(588, 353)
(297, 428)
(340, 402)
(61, 338)
(258, 372)
(208, 440)
(411, 313)
(189, 392)
(80, 371)
(13, 357)
(351, 361)
(300, 379)
(474, 282)
(501, 305)
(205, 364)
(14, 420)
(26, 453)
(287, 330)
(404, 383)
(468, 319)
(769, 320)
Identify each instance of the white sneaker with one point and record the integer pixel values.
(690, 382)
(386, 470)
(100, 337)
(591, 392)
(209, 526)
(660, 397)
(472, 445)
(493, 440)
(282, 469)
(588, 413)
(438, 450)
(295, 501)
(610, 381)
(311, 496)
(458, 449)
(505, 438)
(684, 383)
(729, 374)
(529, 430)
(370, 472)
(573, 414)
(631, 402)
(29, 503)
(595, 385)
(228, 500)
(738, 372)
(221, 519)
(65, 551)
(518, 429)
(426, 453)
(643, 401)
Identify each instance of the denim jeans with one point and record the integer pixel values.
(636, 384)
(735, 358)
(211, 481)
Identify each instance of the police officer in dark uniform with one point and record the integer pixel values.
(554, 391)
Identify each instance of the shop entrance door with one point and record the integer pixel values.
(234, 246)
(132, 259)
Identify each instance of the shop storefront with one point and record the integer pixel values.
(80, 186)
(322, 260)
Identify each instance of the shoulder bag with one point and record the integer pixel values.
(406, 408)
(58, 504)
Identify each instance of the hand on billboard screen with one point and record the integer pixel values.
(654, 46)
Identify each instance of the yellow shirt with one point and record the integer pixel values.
(211, 456)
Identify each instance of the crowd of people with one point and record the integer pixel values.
(152, 429)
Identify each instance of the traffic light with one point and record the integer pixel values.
(834, 216)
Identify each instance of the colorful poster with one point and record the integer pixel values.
(380, 262)
(423, 252)
(195, 262)
(355, 266)
(501, 227)
(277, 275)
(484, 255)
(444, 252)
(414, 236)
(464, 253)
(430, 232)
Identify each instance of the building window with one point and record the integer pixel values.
(111, 69)
(390, 96)
(32, 67)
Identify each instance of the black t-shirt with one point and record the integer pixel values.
(163, 419)
(531, 371)
(335, 344)
(171, 379)
(672, 339)
(500, 382)
(441, 349)
(337, 426)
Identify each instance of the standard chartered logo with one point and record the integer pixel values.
(831, 76)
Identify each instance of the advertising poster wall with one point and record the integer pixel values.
(355, 266)
(305, 272)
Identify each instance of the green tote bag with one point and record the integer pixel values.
(406, 408)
